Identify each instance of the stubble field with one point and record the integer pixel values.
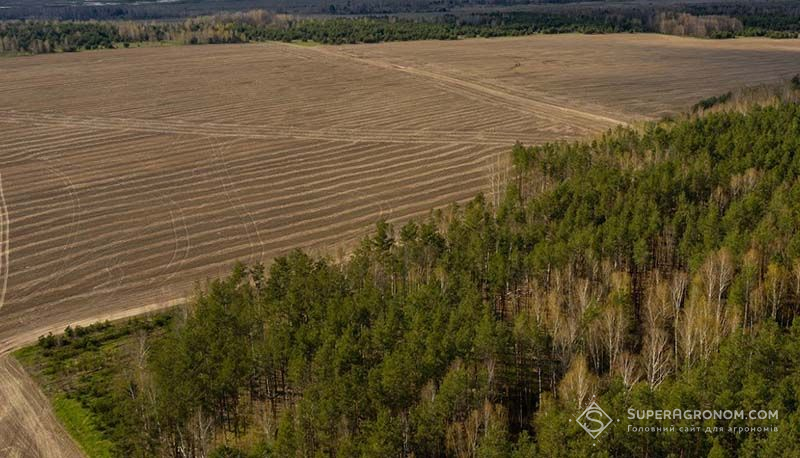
(126, 176)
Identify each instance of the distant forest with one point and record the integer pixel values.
(654, 267)
(154, 9)
(751, 11)
(775, 20)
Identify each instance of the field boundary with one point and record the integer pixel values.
(30, 337)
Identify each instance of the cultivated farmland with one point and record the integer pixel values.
(622, 75)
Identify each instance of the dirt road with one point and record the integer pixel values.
(27, 426)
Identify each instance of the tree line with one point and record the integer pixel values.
(778, 19)
(36, 37)
(654, 267)
(56, 36)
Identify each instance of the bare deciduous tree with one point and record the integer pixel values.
(614, 323)
(716, 275)
(678, 286)
(628, 369)
(656, 358)
(578, 384)
(775, 282)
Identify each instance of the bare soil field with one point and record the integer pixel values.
(624, 75)
(128, 175)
